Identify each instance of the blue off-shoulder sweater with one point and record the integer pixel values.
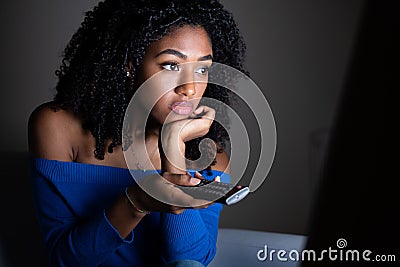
(70, 200)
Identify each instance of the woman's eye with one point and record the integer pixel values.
(202, 71)
(171, 66)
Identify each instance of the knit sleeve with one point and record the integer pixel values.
(70, 239)
(191, 235)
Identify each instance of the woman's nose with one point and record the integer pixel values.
(187, 89)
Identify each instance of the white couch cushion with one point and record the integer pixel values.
(239, 247)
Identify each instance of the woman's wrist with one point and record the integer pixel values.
(123, 217)
(172, 152)
(133, 203)
(173, 159)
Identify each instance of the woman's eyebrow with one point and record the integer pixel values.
(208, 57)
(181, 55)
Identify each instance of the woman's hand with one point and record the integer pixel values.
(194, 126)
(176, 133)
(160, 193)
(127, 212)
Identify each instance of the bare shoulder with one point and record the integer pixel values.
(222, 160)
(51, 132)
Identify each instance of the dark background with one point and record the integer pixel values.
(358, 198)
(298, 54)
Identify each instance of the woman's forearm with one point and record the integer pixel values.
(123, 216)
(172, 153)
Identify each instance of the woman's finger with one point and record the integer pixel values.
(209, 113)
(198, 175)
(181, 179)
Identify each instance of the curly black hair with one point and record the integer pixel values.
(92, 77)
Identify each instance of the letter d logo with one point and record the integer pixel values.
(260, 253)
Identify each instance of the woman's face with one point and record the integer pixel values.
(184, 57)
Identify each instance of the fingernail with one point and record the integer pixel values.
(194, 181)
(199, 173)
(218, 179)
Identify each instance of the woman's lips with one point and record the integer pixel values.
(182, 108)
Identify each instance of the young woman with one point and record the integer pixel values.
(90, 209)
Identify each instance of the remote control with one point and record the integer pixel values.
(219, 192)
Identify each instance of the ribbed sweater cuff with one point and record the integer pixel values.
(115, 234)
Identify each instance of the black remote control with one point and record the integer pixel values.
(219, 192)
